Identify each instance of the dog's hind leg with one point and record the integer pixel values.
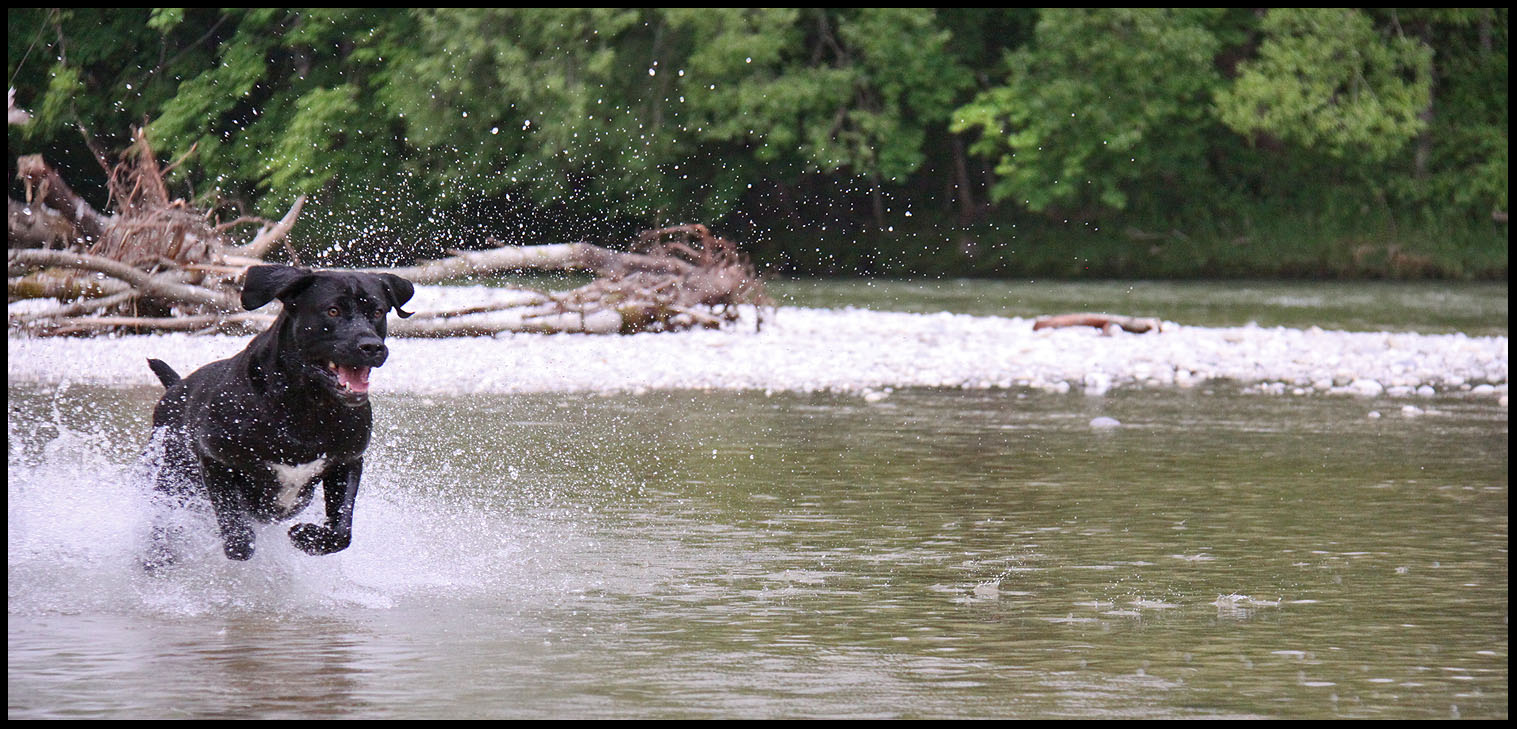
(174, 474)
(160, 552)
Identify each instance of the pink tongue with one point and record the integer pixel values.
(353, 378)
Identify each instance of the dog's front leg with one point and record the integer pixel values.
(340, 490)
(225, 486)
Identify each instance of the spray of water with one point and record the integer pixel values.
(80, 513)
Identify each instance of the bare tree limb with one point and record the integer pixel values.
(269, 235)
(45, 187)
(146, 283)
(82, 306)
(548, 257)
(233, 323)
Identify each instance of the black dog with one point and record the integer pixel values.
(252, 434)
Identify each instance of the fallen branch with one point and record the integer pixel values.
(147, 284)
(548, 257)
(46, 188)
(1105, 322)
(675, 278)
(244, 323)
(269, 235)
(77, 308)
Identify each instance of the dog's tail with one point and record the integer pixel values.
(166, 374)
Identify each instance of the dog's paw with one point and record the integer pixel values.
(317, 540)
(155, 561)
(159, 554)
(240, 551)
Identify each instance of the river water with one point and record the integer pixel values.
(933, 553)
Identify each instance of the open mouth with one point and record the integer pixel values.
(349, 382)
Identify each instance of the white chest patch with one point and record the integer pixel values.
(294, 478)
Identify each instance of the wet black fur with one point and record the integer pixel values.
(277, 402)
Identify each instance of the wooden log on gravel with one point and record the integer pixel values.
(1106, 322)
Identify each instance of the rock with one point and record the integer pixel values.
(1097, 383)
(1366, 387)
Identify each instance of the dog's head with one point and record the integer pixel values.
(332, 329)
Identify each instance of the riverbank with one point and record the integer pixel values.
(858, 351)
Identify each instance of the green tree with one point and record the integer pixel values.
(536, 101)
(414, 130)
(833, 92)
(1101, 104)
(1326, 79)
(1461, 159)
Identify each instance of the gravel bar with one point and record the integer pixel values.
(855, 351)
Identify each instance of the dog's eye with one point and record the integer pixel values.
(334, 312)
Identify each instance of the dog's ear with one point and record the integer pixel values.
(399, 292)
(266, 283)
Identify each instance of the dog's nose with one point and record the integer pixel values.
(372, 349)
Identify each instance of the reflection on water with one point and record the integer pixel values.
(929, 554)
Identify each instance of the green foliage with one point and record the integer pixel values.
(415, 130)
(288, 105)
(164, 19)
(93, 80)
(1326, 79)
(909, 81)
(511, 99)
(1467, 156)
(1101, 102)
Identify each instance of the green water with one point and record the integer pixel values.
(1426, 307)
(937, 554)
(1472, 308)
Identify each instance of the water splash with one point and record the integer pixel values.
(79, 520)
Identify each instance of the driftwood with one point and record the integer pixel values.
(1105, 322)
(151, 257)
(158, 264)
(674, 278)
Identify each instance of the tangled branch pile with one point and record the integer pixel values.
(673, 279)
(159, 264)
(153, 263)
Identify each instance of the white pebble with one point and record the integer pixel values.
(1104, 422)
(1097, 383)
(1366, 387)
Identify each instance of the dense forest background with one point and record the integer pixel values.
(878, 141)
